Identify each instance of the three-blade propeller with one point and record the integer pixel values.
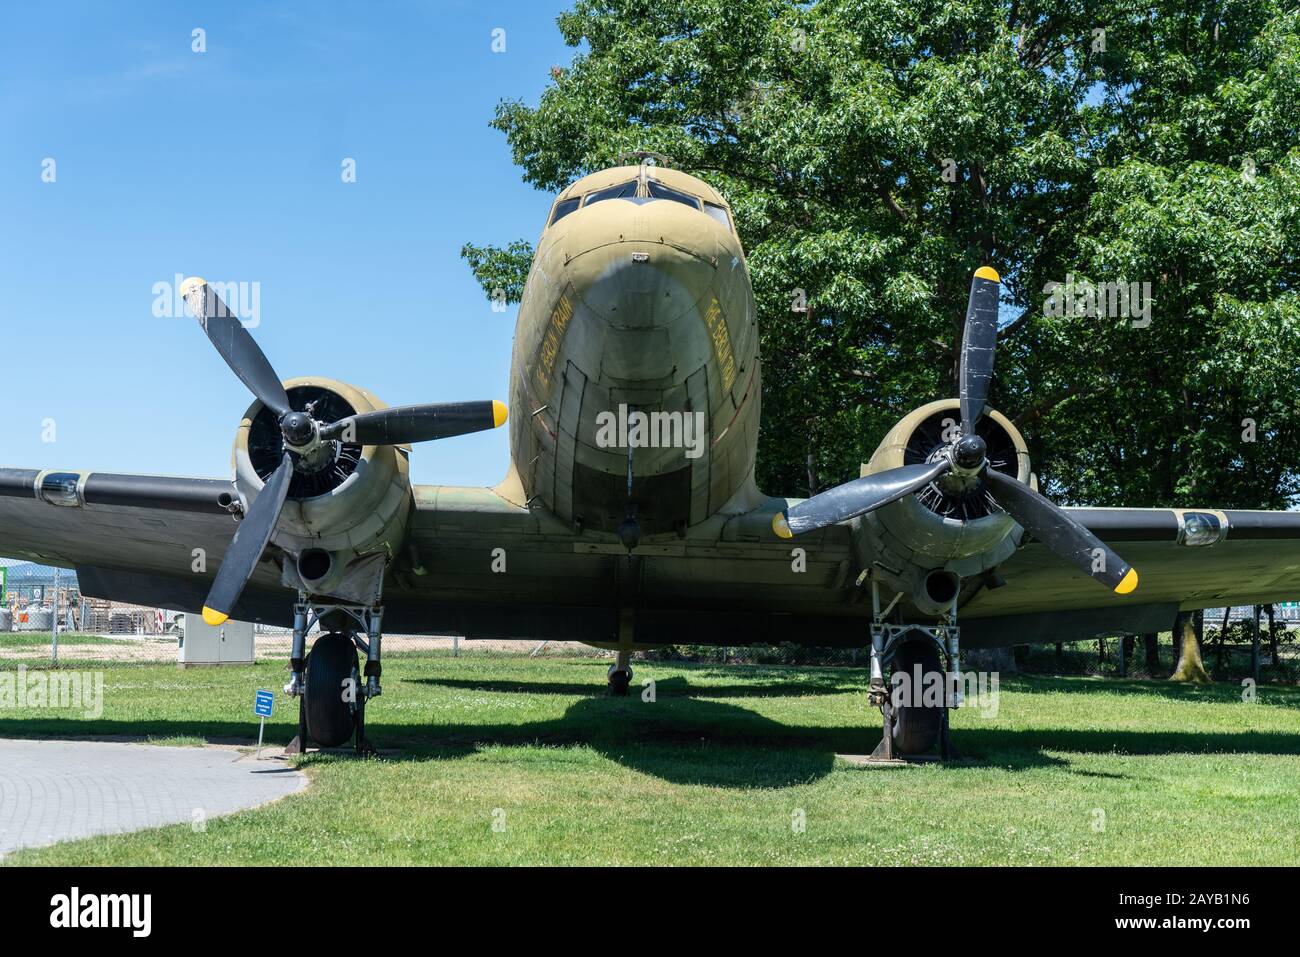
(399, 426)
(966, 455)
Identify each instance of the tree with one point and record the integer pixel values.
(1151, 642)
(1189, 668)
(876, 154)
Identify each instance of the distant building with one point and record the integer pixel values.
(32, 582)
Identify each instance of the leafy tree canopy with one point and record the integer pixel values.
(876, 153)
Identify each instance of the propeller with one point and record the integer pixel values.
(967, 456)
(977, 341)
(416, 423)
(251, 539)
(303, 436)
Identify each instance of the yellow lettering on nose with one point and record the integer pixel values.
(554, 335)
(716, 323)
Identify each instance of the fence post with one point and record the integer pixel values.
(1254, 645)
(1123, 656)
(54, 620)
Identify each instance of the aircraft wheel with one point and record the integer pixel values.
(916, 727)
(331, 661)
(619, 682)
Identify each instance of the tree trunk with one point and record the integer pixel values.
(1190, 668)
(1152, 642)
(1219, 648)
(1272, 635)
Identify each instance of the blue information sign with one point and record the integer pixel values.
(262, 704)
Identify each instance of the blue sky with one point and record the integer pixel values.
(227, 164)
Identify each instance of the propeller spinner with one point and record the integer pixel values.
(301, 432)
(967, 455)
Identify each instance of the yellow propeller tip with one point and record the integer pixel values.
(781, 526)
(189, 285)
(988, 272)
(499, 414)
(213, 617)
(1127, 583)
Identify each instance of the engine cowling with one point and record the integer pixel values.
(350, 505)
(924, 544)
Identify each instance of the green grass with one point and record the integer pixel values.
(717, 769)
(41, 640)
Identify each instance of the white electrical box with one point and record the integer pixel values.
(204, 644)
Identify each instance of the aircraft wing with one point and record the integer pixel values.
(481, 566)
(1185, 558)
(136, 538)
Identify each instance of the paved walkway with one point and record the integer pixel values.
(58, 790)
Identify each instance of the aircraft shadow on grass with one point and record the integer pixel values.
(678, 687)
(686, 737)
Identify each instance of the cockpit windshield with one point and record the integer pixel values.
(660, 191)
(651, 191)
(621, 191)
(563, 208)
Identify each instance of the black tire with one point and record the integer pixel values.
(916, 728)
(618, 683)
(331, 661)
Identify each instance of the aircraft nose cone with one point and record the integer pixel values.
(639, 264)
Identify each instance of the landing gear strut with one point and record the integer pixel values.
(913, 718)
(327, 682)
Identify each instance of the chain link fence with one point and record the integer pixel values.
(44, 615)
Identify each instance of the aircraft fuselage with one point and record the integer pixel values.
(635, 374)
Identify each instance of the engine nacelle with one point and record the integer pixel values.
(925, 543)
(347, 512)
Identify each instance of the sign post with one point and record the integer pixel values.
(262, 708)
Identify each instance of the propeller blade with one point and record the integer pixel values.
(417, 423)
(235, 344)
(1060, 533)
(978, 340)
(856, 498)
(248, 544)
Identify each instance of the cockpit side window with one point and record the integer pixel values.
(563, 208)
(719, 213)
(660, 191)
(621, 191)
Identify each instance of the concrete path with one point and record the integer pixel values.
(54, 790)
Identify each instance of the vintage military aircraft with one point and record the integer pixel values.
(629, 515)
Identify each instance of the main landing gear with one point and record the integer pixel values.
(328, 681)
(922, 689)
(620, 674)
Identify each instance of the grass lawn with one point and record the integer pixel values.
(512, 760)
(40, 641)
